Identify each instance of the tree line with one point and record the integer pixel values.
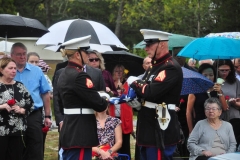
(126, 17)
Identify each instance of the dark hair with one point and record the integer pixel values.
(204, 66)
(213, 100)
(32, 54)
(4, 62)
(18, 44)
(231, 78)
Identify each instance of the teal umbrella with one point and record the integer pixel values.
(176, 40)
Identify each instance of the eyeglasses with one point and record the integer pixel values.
(94, 59)
(224, 70)
(20, 55)
(213, 109)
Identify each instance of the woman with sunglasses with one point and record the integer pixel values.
(230, 88)
(96, 61)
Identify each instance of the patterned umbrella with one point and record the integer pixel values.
(44, 66)
(234, 35)
(212, 48)
(194, 82)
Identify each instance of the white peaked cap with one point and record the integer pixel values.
(155, 35)
(77, 43)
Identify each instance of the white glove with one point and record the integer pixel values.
(135, 104)
(103, 94)
(131, 79)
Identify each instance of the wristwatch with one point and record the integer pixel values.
(110, 151)
(48, 117)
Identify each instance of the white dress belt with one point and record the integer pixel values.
(78, 111)
(153, 105)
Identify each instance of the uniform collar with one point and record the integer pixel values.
(75, 65)
(162, 59)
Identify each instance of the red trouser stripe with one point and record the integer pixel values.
(159, 156)
(81, 156)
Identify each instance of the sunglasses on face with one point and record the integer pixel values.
(94, 59)
(236, 67)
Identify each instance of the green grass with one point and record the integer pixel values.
(51, 146)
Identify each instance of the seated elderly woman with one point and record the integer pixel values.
(211, 136)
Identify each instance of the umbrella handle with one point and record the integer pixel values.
(6, 44)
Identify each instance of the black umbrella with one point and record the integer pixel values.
(131, 62)
(17, 26)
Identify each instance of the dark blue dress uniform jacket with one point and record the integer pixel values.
(165, 88)
(79, 130)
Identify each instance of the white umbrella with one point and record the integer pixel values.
(66, 30)
(5, 46)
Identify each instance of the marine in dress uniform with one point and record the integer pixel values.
(162, 83)
(78, 98)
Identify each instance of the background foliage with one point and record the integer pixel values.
(126, 17)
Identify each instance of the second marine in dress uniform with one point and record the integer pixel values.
(161, 84)
(78, 98)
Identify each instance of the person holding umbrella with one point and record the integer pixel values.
(195, 105)
(78, 98)
(230, 88)
(159, 90)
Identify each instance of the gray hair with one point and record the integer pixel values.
(213, 100)
(32, 54)
(18, 44)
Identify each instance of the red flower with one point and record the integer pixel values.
(227, 98)
(11, 102)
(45, 129)
(181, 101)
